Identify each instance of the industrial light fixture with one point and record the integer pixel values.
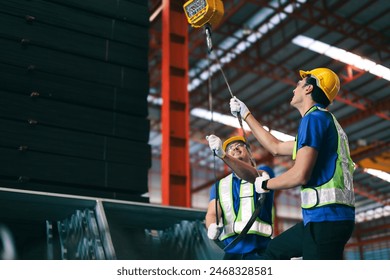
(378, 173)
(343, 56)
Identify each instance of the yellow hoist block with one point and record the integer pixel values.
(201, 12)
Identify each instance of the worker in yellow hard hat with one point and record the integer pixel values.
(323, 171)
(236, 200)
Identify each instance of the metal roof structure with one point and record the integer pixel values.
(256, 45)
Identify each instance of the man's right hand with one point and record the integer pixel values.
(237, 106)
(215, 144)
(214, 231)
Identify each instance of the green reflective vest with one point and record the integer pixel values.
(235, 223)
(339, 189)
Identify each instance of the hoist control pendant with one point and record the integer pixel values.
(200, 12)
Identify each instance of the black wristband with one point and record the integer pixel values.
(264, 185)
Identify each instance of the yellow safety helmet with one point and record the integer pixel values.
(231, 140)
(327, 80)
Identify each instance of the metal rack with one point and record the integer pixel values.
(66, 227)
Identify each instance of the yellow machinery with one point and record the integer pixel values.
(201, 12)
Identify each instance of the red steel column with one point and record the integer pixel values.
(175, 159)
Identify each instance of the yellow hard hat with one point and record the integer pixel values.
(231, 140)
(327, 80)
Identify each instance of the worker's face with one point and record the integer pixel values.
(238, 150)
(299, 92)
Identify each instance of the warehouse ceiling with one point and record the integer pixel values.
(261, 47)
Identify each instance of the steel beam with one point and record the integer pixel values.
(175, 158)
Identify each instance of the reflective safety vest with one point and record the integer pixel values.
(233, 222)
(339, 189)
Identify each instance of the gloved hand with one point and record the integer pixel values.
(237, 106)
(215, 144)
(259, 183)
(214, 231)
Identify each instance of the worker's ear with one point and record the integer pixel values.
(309, 89)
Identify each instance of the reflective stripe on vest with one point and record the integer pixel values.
(235, 223)
(339, 189)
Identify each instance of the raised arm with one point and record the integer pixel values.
(241, 168)
(266, 139)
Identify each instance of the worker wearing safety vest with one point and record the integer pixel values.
(323, 170)
(236, 203)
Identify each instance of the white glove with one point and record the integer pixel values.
(215, 144)
(259, 182)
(237, 106)
(214, 231)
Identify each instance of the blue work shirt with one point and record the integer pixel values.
(317, 130)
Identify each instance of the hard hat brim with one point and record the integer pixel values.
(231, 140)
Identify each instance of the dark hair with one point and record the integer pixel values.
(317, 94)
